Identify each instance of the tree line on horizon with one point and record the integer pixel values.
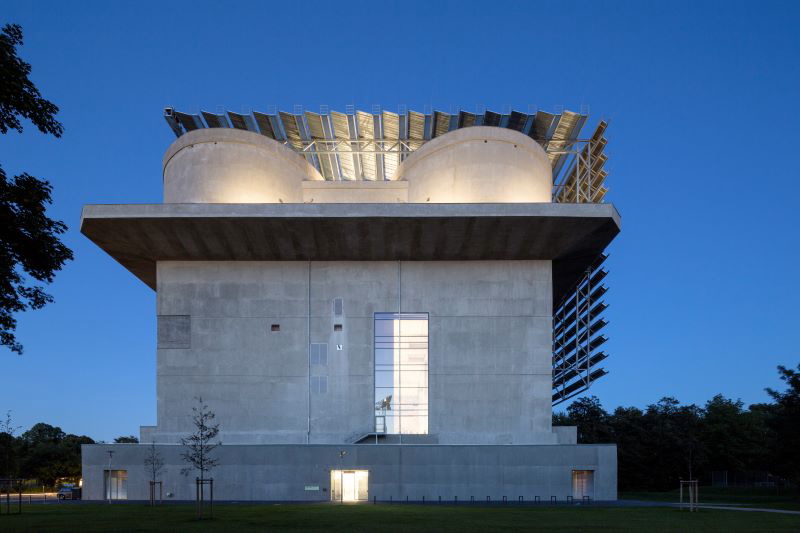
(43, 453)
(665, 442)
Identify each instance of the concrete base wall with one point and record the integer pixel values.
(396, 472)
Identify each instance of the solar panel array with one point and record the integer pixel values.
(369, 146)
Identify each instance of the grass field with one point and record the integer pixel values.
(386, 518)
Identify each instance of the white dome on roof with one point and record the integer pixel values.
(479, 164)
(221, 165)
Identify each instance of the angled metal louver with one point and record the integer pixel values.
(237, 120)
(542, 126)
(490, 118)
(416, 129)
(566, 129)
(215, 121)
(441, 123)
(264, 125)
(189, 122)
(317, 130)
(517, 121)
(292, 131)
(465, 119)
(391, 134)
(365, 125)
(347, 159)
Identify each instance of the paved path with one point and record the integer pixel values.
(736, 508)
(723, 506)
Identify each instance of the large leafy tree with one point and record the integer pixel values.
(786, 423)
(30, 250)
(48, 453)
(591, 419)
(8, 447)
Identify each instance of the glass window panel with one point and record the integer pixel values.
(413, 356)
(414, 425)
(414, 378)
(409, 367)
(384, 398)
(411, 328)
(362, 484)
(411, 395)
(392, 424)
(384, 356)
(384, 378)
(385, 346)
(384, 328)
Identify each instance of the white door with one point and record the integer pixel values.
(582, 484)
(349, 487)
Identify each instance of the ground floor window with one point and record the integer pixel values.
(582, 484)
(349, 485)
(116, 484)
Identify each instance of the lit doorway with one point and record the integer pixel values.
(582, 484)
(116, 484)
(349, 485)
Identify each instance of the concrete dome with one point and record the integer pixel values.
(220, 165)
(480, 164)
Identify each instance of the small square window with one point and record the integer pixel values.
(275, 327)
(339, 347)
(337, 327)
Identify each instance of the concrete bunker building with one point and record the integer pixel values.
(375, 305)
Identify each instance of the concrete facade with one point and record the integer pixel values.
(489, 351)
(396, 472)
(258, 263)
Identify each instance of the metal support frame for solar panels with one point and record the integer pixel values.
(581, 151)
(575, 328)
(334, 146)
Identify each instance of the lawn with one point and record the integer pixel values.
(386, 518)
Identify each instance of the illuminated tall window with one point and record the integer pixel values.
(401, 373)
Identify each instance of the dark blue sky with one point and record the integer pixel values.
(702, 99)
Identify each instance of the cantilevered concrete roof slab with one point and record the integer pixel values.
(572, 235)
